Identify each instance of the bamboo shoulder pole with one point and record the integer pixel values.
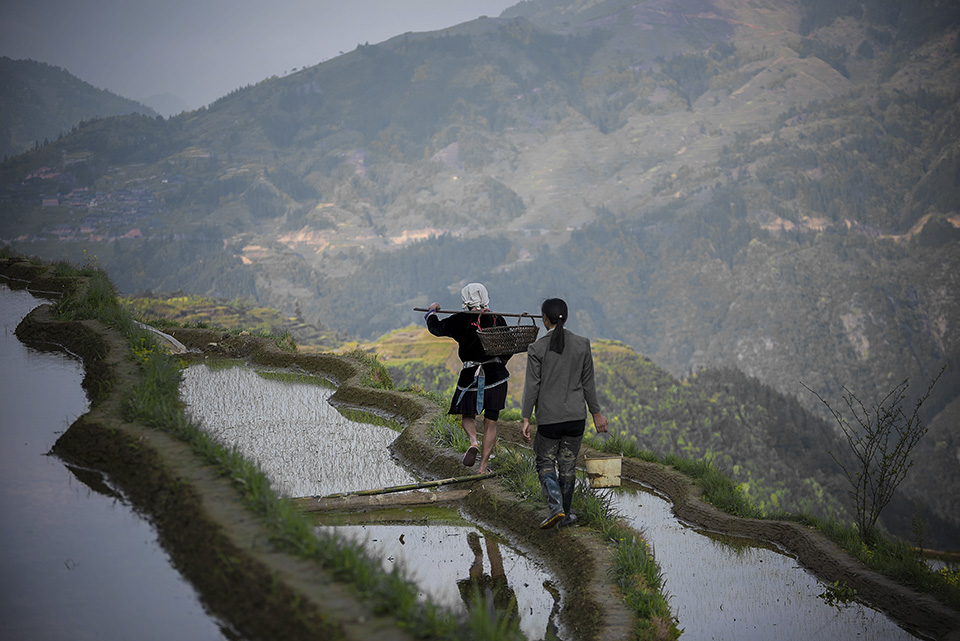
(476, 311)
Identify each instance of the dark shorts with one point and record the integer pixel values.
(494, 400)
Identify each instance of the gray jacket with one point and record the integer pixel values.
(559, 386)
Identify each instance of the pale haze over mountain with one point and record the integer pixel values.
(200, 50)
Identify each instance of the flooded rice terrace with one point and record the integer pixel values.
(76, 561)
(446, 556)
(306, 447)
(736, 589)
(718, 589)
(301, 442)
(79, 563)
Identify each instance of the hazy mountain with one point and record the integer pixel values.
(768, 187)
(39, 102)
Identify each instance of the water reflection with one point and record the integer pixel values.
(76, 561)
(301, 442)
(460, 566)
(307, 448)
(719, 591)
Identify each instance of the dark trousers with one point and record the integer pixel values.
(556, 458)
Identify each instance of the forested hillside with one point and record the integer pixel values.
(39, 103)
(763, 188)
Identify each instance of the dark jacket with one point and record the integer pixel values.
(462, 328)
(559, 386)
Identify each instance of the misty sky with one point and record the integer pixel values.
(201, 50)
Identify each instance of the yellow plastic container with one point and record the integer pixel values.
(603, 470)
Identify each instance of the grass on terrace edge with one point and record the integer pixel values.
(155, 402)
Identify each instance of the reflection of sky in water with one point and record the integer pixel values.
(76, 561)
(721, 592)
(302, 443)
(437, 557)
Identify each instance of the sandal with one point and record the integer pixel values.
(471, 456)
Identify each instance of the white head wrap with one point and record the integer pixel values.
(474, 296)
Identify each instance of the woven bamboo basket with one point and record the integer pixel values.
(507, 339)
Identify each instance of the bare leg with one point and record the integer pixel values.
(470, 427)
(489, 440)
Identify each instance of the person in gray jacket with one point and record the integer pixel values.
(560, 388)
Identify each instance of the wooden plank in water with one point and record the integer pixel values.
(414, 486)
(370, 501)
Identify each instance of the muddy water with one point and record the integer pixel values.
(447, 556)
(76, 562)
(307, 448)
(737, 590)
(301, 442)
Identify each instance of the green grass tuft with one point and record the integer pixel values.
(376, 374)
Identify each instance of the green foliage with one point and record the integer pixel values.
(518, 474)
(620, 443)
(512, 414)
(718, 488)
(362, 416)
(891, 557)
(97, 299)
(297, 377)
(491, 624)
(838, 594)
(375, 373)
(236, 316)
(432, 378)
(42, 102)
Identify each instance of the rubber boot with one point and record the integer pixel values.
(566, 492)
(551, 492)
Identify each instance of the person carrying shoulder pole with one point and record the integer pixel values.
(482, 385)
(560, 388)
